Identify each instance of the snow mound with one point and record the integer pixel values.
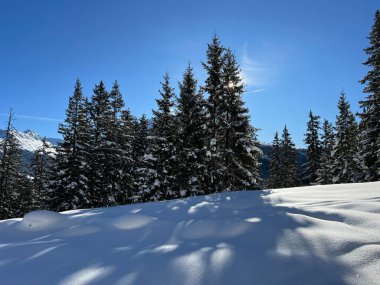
(43, 220)
(129, 222)
(308, 235)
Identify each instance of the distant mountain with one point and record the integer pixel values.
(29, 142)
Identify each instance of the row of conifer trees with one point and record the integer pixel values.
(333, 153)
(194, 144)
(345, 153)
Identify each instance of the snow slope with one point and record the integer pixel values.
(312, 235)
(29, 141)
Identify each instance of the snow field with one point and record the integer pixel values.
(308, 235)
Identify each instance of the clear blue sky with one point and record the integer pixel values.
(296, 55)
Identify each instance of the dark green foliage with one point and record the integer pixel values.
(288, 161)
(111, 167)
(216, 170)
(69, 188)
(163, 149)
(325, 171)
(124, 165)
(369, 153)
(239, 150)
(275, 165)
(309, 175)
(344, 153)
(103, 140)
(142, 167)
(232, 153)
(191, 120)
(12, 182)
(37, 190)
(283, 165)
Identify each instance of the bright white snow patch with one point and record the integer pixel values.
(43, 220)
(313, 235)
(129, 222)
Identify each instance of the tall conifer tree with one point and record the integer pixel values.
(70, 180)
(345, 150)
(275, 166)
(289, 176)
(163, 150)
(370, 116)
(11, 180)
(191, 137)
(309, 175)
(143, 172)
(216, 168)
(239, 149)
(36, 194)
(105, 162)
(325, 171)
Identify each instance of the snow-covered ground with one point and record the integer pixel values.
(312, 235)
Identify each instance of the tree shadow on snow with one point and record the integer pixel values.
(229, 238)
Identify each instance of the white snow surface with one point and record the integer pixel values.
(312, 235)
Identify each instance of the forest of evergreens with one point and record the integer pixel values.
(199, 141)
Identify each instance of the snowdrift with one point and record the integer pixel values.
(312, 235)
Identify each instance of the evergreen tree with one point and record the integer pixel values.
(36, 196)
(190, 165)
(116, 101)
(104, 162)
(69, 188)
(162, 152)
(124, 151)
(275, 167)
(239, 149)
(143, 168)
(370, 116)
(310, 169)
(345, 165)
(140, 139)
(11, 180)
(120, 137)
(214, 87)
(325, 171)
(288, 161)
(112, 150)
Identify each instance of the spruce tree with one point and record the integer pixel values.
(288, 161)
(120, 137)
(325, 171)
(143, 171)
(112, 137)
(11, 180)
(190, 137)
(370, 116)
(214, 87)
(36, 196)
(309, 175)
(140, 139)
(163, 152)
(124, 151)
(104, 162)
(239, 149)
(69, 187)
(345, 165)
(275, 166)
